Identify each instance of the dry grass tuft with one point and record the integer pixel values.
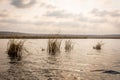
(98, 46)
(68, 45)
(54, 46)
(15, 49)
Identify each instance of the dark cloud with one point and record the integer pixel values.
(96, 12)
(83, 18)
(20, 3)
(43, 23)
(15, 21)
(67, 24)
(58, 14)
(115, 13)
(48, 6)
(80, 17)
(12, 21)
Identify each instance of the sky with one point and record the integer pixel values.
(60, 16)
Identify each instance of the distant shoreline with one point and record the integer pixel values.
(16, 35)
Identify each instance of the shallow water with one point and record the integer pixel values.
(82, 63)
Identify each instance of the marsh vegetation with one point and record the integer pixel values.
(68, 45)
(53, 46)
(15, 49)
(98, 45)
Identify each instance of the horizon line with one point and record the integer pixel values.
(18, 35)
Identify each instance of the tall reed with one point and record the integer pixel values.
(15, 49)
(54, 46)
(68, 45)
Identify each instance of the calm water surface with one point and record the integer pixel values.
(82, 63)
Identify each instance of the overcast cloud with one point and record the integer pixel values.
(45, 16)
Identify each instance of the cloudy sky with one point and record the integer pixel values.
(60, 16)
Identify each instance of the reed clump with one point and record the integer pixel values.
(98, 46)
(54, 46)
(68, 45)
(15, 49)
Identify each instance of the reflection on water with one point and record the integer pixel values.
(82, 63)
(17, 71)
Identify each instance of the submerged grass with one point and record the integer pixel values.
(68, 45)
(98, 46)
(15, 49)
(54, 46)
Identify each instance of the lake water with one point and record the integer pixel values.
(82, 63)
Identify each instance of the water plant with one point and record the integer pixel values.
(54, 46)
(68, 45)
(15, 49)
(98, 46)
